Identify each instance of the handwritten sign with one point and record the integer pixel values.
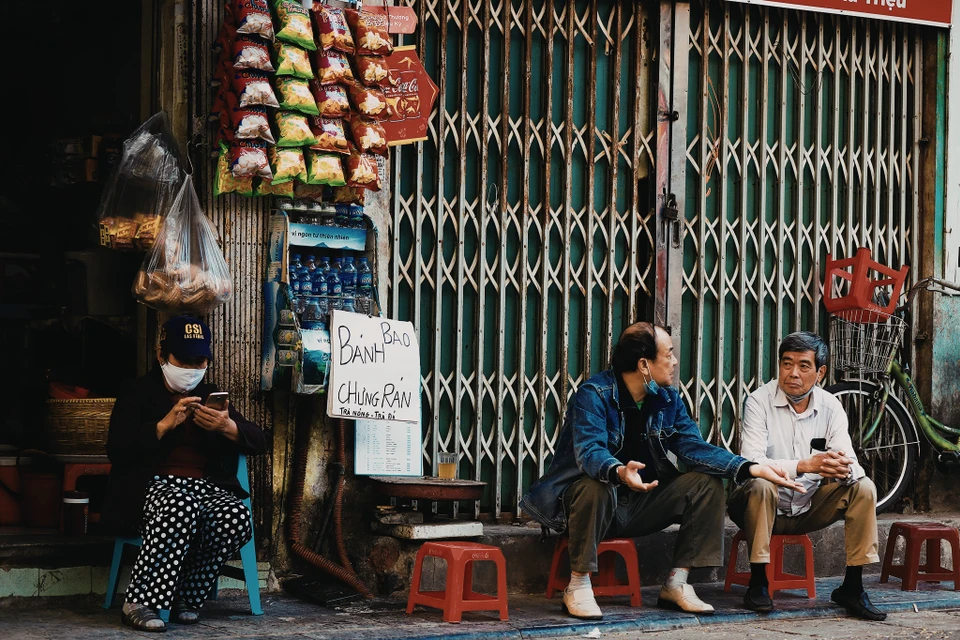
(931, 12)
(386, 448)
(375, 369)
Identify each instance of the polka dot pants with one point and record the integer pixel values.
(190, 528)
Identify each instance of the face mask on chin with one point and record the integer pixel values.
(800, 398)
(181, 380)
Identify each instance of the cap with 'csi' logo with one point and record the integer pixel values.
(186, 337)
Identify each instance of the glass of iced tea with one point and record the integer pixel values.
(446, 465)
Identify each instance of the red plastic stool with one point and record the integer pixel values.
(864, 276)
(606, 583)
(777, 578)
(911, 571)
(458, 595)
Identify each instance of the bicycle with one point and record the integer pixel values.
(885, 435)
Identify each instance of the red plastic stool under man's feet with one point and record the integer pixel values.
(776, 577)
(911, 571)
(606, 583)
(458, 595)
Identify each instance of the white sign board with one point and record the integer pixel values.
(375, 369)
(385, 448)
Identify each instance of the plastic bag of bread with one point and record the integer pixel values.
(369, 32)
(332, 30)
(184, 272)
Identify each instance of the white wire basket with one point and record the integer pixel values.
(863, 340)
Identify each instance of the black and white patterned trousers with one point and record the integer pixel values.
(190, 528)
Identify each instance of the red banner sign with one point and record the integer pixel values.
(932, 12)
(400, 19)
(412, 98)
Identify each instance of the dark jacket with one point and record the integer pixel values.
(592, 435)
(135, 452)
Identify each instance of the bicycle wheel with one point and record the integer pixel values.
(888, 457)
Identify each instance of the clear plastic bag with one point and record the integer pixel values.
(184, 272)
(142, 187)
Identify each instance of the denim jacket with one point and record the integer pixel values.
(592, 434)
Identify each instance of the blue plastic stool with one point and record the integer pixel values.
(248, 557)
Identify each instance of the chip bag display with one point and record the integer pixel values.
(293, 130)
(270, 188)
(314, 192)
(295, 95)
(250, 52)
(368, 135)
(324, 168)
(329, 135)
(294, 24)
(369, 32)
(331, 99)
(248, 158)
(253, 16)
(292, 60)
(251, 122)
(373, 71)
(362, 170)
(368, 101)
(287, 164)
(332, 30)
(332, 67)
(225, 182)
(253, 87)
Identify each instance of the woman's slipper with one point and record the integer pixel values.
(142, 618)
(185, 614)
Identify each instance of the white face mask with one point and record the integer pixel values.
(182, 380)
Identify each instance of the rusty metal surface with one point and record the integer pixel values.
(428, 488)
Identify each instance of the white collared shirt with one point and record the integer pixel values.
(774, 433)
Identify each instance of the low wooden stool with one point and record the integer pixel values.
(458, 595)
(911, 571)
(777, 578)
(606, 583)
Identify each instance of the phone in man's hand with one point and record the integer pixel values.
(217, 400)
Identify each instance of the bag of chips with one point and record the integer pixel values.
(295, 95)
(369, 32)
(253, 87)
(368, 135)
(347, 195)
(293, 130)
(373, 71)
(225, 182)
(248, 158)
(270, 188)
(332, 67)
(314, 192)
(294, 24)
(292, 61)
(324, 168)
(250, 52)
(226, 35)
(331, 99)
(368, 101)
(287, 164)
(329, 134)
(362, 170)
(253, 16)
(332, 30)
(251, 122)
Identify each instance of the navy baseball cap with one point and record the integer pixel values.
(186, 337)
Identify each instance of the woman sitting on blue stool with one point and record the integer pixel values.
(173, 480)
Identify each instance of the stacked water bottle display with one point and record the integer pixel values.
(321, 285)
(344, 216)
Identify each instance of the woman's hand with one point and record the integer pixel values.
(176, 416)
(216, 421)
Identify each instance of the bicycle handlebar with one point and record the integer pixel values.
(932, 284)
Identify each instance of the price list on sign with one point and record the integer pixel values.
(385, 448)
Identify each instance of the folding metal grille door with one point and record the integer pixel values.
(802, 134)
(520, 242)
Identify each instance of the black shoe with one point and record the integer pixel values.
(758, 599)
(858, 605)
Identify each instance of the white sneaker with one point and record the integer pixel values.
(683, 598)
(581, 604)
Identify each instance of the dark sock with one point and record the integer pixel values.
(758, 574)
(853, 580)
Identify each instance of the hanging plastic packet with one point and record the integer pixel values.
(332, 29)
(329, 134)
(324, 168)
(293, 130)
(313, 192)
(294, 24)
(347, 195)
(373, 71)
(225, 182)
(226, 35)
(287, 164)
(332, 67)
(361, 170)
(295, 95)
(253, 87)
(250, 52)
(331, 100)
(248, 158)
(270, 188)
(368, 135)
(369, 33)
(368, 101)
(292, 61)
(253, 16)
(251, 122)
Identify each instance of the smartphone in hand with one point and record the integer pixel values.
(217, 400)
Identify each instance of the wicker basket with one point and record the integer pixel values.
(78, 427)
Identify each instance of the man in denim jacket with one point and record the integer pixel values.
(613, 473)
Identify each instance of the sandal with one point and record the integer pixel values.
(143, 618)
(185, 614)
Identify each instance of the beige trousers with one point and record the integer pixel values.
(753, 506)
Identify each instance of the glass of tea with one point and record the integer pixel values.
(446, 465)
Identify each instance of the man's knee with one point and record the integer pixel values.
(589, 491)
(864, 489)
(709, 486)
(759, 489)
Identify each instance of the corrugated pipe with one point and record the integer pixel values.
(343, 573)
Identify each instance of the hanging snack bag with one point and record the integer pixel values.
(251, 122)
(324, 168)
(369, 33)
(294, 24)
(250, 52)
(292, 61)
(368, 101)
(362, 170)
(226, 35)
(295, 95)
(287, 164)
(293, 130)
(331, 26)
(373, 71)
(224, 181)
(332, 67)
(314, 192)
(331, 100)
(368, 135)
(329, 134)
(347, 195)
(253, 87)
(270, 188)
(248, 158)
(253, 16)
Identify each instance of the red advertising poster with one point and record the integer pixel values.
(412, 98)
(932, 12)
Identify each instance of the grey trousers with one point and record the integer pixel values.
(596, 511)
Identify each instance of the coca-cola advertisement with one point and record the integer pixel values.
(411, 98)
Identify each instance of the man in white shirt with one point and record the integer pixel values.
(792, 424)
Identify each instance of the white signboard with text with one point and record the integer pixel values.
(387, 448)
(375, 369)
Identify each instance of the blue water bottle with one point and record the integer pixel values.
(364, 286)
(334, 289)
